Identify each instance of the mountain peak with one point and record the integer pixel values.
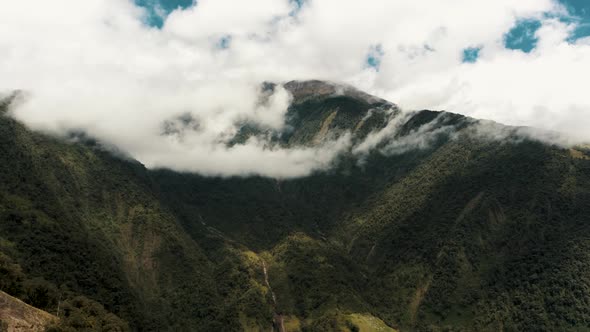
(458, 228)
(306, 89)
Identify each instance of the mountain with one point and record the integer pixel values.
(428, 221)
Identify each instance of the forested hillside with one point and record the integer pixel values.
(436, 226)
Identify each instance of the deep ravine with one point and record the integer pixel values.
(278, 319)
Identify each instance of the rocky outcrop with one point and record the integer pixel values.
(17, 316)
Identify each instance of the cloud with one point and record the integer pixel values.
(543, 88)
(253, 158)
(95, 66)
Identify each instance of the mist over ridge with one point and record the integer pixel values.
(100, 68)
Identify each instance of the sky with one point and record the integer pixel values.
(520, 37)
(122, 70)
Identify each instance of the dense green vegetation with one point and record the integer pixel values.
(78, 221)
(464, 233)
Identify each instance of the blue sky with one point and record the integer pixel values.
(165, 5)
(581, 10)
(521, 37)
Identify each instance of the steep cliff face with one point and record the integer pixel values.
(425, 221)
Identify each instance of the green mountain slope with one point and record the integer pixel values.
(434, 227)
(87, 223)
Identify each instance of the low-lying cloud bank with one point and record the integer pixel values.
(173, 97)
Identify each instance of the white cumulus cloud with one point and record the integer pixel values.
(94, 65)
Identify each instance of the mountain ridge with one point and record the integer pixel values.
(433, 227)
